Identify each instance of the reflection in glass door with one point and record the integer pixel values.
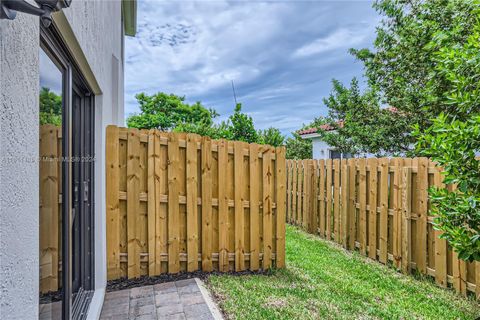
(50, 182)
(66, 167)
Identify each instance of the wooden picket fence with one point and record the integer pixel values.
(180, 202)
(380, 207)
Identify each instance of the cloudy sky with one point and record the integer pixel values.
(281, 55)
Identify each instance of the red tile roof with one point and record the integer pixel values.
(323, 127)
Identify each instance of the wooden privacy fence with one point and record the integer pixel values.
(181, 202)
(380, 207)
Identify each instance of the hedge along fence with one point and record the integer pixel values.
(380, 207)
(180, 202)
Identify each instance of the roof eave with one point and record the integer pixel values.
(310, 135)
(130, 17)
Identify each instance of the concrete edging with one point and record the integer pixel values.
(209, 300)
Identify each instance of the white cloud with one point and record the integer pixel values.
(196, 48)
(341, 38)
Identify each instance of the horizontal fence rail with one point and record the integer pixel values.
(180, 202)
(378, 206)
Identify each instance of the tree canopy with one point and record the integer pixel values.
(166, 111)
(50, 107)
(400, 72)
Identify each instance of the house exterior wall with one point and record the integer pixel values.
(320, 149)
(19, 86)
(97, 33)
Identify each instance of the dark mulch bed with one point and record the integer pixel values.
(124, 283)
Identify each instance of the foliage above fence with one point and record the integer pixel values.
(380, 207)
(180, 202)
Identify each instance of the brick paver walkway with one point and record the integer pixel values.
(182, 299)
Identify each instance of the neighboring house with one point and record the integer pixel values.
(80, 58)
(320, 148)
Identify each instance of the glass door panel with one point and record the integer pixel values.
(50, 189)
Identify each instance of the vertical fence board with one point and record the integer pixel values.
(422, 215)
(372, 213)
(239, 210)
(406, 221)
(161, 181)
(362, 190)
(173, 204)
(396, 213)
(133, 202)
(112, 203)
(314, 198)
(336, 199)
(306, 192)
(328, 215)
(254, 207)
(440, 244)
(289, 190)
(192, 203)
(223, 205)
(321, 187)
(344, 203)
(352, 232)
(151, 207)
(294, 192)
(207, 204)
(280, 206)
(301, 177)
(384, 187)
(267, 209)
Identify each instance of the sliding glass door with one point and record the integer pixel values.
(66, 181)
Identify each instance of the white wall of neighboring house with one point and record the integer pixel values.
(322, 150)
(93, 31)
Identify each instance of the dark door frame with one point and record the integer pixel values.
(53, 45)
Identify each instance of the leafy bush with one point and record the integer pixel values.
(453, 139)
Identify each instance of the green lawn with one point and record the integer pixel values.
(322, 281)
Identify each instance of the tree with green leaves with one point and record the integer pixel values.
(241, 126)
(398, 71)
(453, 139)
(166, 111)
(271, 136)
(50, 107)
(298, 148)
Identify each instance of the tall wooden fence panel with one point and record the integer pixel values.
(380, 208)
(180, 202)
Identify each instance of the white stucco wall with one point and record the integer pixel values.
(19, 86)
(98, 29)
